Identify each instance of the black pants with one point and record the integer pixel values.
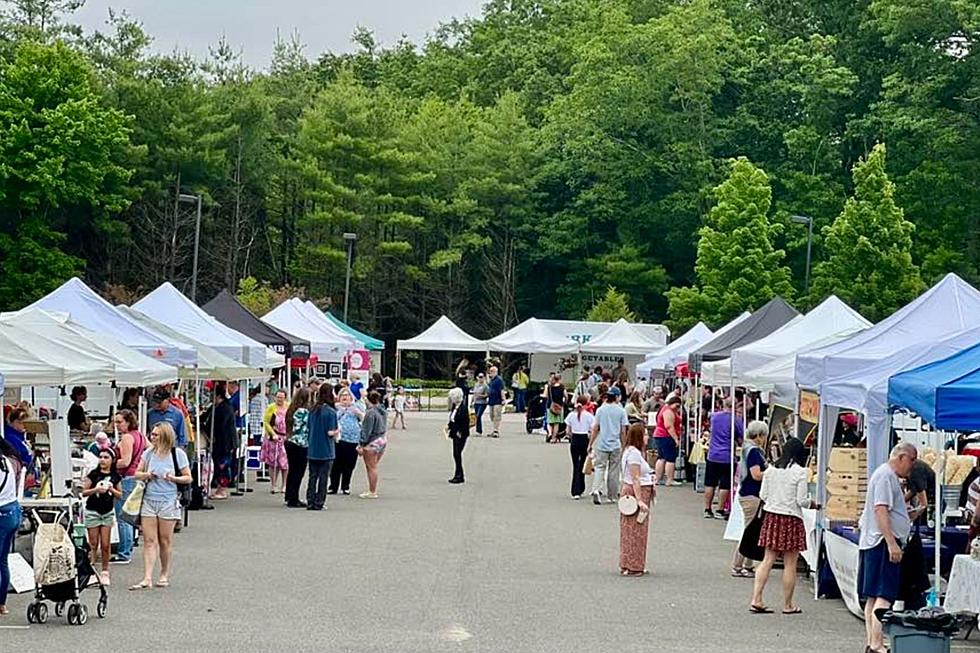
(296, 456)
(580, 451)
(316, 486)
(343, 467)
(458, 445)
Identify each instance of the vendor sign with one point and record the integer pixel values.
(809, 406)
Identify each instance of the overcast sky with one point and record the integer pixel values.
(251, 25)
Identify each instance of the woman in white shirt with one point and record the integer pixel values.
(784, 494)
(637, 482)
(10, 514)
(579, 424)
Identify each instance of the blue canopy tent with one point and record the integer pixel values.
(946, 394)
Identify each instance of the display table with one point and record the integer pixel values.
(963, 591)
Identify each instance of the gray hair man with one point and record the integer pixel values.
(885, 528)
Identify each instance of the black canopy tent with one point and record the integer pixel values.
(760, 324)
(226, 308)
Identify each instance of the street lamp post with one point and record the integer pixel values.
(349, 238)
(808, 221)
(197, 239)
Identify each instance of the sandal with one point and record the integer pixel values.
(4, 611)
(142, 585)
(759, 609)
(793, 611)
(163, 583)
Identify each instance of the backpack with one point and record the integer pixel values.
(184, 493)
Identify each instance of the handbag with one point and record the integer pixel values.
(589, 466)
(628, 505)
(133, 505)
(749, 546)
(556, 408)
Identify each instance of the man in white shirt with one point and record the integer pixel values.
(885, 528)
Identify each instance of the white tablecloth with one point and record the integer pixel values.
(963, 592)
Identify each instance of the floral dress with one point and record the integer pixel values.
(273, 452)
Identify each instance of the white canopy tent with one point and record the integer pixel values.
(291, 317)
(442, 335)
(621, 338)
(211, 365)
(92, 312)
(40, 329)
(950, 306)
(677, 351)
(533, 336)
(169, 306)
(583, 331)
(320, 318)
(26, 360)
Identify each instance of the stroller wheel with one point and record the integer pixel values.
(72, 614)
(59, 608)
(41, 613)
(100, 609)
(31, 613)
(82, 617)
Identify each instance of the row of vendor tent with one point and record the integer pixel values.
(537, 336)
(74, 336)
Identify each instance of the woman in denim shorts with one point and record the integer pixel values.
(161, 506)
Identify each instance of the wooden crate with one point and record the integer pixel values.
(852, 461)
(842, 508)
(844, 487)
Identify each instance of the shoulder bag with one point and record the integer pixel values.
(748, 546)
(183, 489)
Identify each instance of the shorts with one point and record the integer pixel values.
(496, 413)
(554, 419)
(718, 475)
(377, 446)
(666, 449)
(95, 520)
(877, 575)
(167, 509)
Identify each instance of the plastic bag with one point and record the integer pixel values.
(130, 512)
(697, 453)
(588, 467)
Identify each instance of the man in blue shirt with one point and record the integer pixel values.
(356, 387)
(495, 399)
(606, 446)
(162, 411)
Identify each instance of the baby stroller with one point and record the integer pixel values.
(536, 416)
(62, 571)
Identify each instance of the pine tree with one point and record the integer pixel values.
(737, 266)
(869, 246)
(613, 306)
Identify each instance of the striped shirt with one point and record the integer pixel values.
(973, 496)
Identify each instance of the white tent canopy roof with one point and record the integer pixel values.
(950, 306)
(677, 351)
(533, 336)
(55, 334)
(777, 376)
(582, 331)
(318, 317)
(92, 312)
(291, 317)
(621, 338)
(832, 316)
(169, 306)
(28, 360)
(211, 365)
(443, 335)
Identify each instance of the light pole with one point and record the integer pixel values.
(349, 238)
(197, 239)
(808, 221)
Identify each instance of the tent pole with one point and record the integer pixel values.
(758, 400)
(731, 458)
(938, 517)
(398, 363)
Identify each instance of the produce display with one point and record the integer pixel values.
(957, 467)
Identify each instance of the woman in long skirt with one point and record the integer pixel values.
(273, 452)
(638, 482)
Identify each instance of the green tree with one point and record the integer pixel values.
(869, 262)
(737, 266)
(613, 306)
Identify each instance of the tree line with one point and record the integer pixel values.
(536, 160)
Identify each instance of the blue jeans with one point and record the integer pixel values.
(126, 532)
(519, 396)
(10, 518)
(479, 409)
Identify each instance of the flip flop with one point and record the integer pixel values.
(143, 585)
(759, 609)
(793, 611)
(163, 583)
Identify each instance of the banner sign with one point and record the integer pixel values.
(842, 554)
